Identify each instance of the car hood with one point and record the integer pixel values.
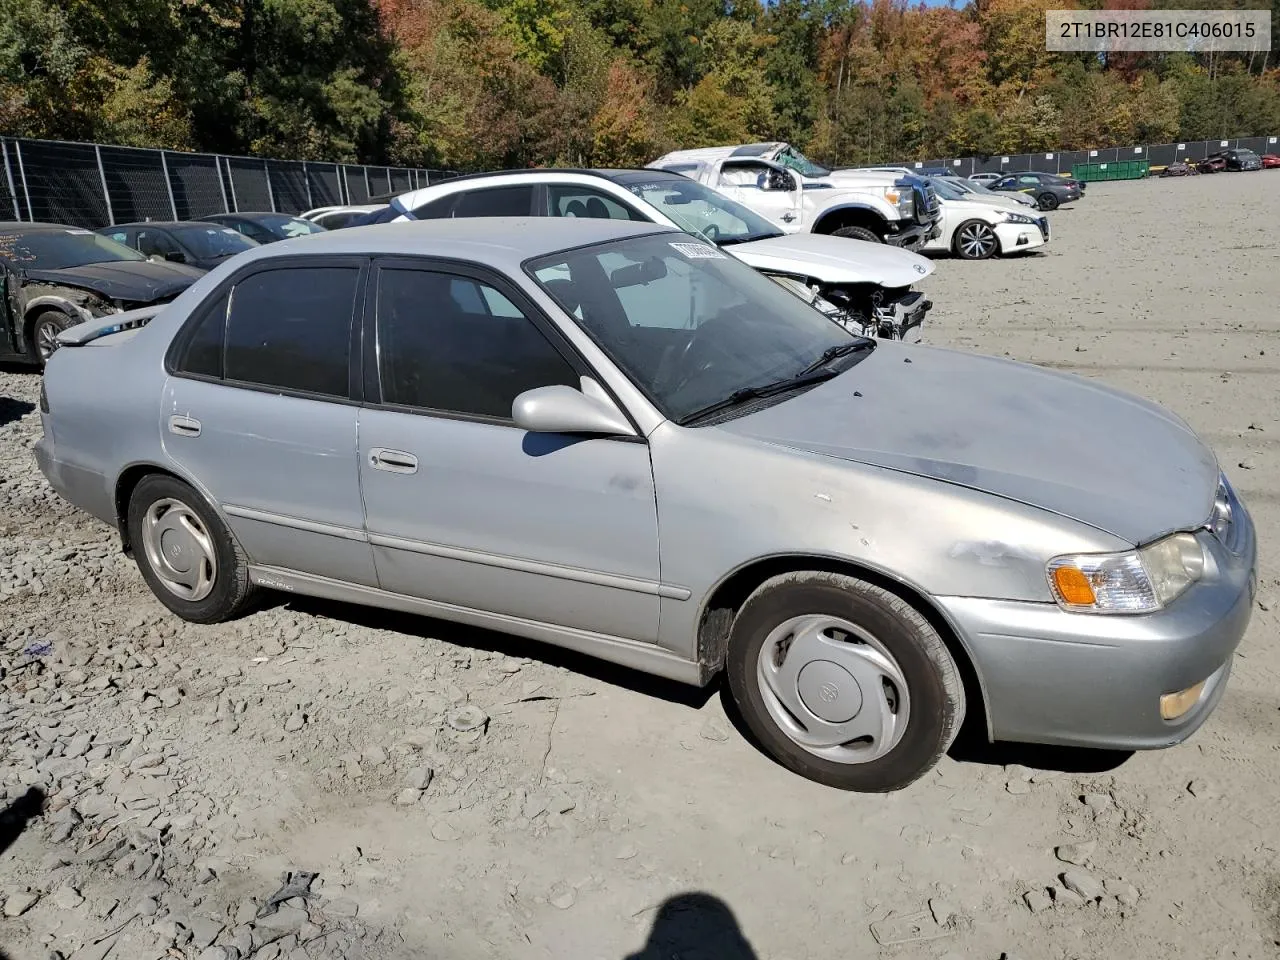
(835, 259)
(1002, 203)
(1062, 443)
(142, 281)
(992, 213)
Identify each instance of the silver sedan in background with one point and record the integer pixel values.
(615, 437)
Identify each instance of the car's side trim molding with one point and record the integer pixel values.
(295, 523)
(619, 650)
(596, 577)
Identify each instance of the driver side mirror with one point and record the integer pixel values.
(562, 409)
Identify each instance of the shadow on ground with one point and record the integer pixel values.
(11, 410)
(15, 817)
(477, 639)
(695, 925)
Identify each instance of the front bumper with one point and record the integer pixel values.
(1089, 680)
(1022, 236)
(911, 235)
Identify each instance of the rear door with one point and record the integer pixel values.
(464, 507)
(260, 409)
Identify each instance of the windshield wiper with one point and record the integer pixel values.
(727, 241)
(839, 350)
(738, 397)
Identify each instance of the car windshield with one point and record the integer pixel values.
(61, 249)
(699, 209)
(947, 191)
(1246, 155)
(211, 243)
(793, 159)
(691, 326)
(283, 225)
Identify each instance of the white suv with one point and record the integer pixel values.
(865, 286)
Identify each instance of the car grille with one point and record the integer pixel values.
(926, 201)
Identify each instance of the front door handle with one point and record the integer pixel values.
(184, 426)
(393, 461)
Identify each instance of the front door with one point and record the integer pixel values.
(770, 191)
(464, 507)
(260, 409)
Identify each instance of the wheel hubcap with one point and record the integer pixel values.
(977, 240)
(179, 549)
(46, 340)
(833, 689)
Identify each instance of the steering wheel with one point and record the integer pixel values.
(697, 357)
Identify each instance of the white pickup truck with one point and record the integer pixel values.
(800, 196)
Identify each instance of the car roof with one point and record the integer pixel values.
(502, 241)
(12, 225)
(157, 223)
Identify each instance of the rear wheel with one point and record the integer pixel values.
(42, 339)
(857, 233)
(185, 552)
(975, 240)
(843, 682)
(1048, 201)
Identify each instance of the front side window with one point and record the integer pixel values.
(689, 325)
(290, 328)
(453, 344)
(573, 201)
(154, 243)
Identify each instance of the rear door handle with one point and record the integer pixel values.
(393, 461)
(184, 426)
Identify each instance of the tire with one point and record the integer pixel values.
(975, 240)
(224, 591)
(1048, 201)
(41, 341)
(858, 233)
(901, 662)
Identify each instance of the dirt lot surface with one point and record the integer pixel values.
(465, 795)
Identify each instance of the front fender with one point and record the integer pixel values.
(880, 209)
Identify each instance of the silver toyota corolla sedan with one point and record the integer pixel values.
(614, 437)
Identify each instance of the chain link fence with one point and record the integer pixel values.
(1061, 162)
(93, 185)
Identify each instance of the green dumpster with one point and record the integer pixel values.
(1113, 170)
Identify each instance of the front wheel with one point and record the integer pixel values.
(185, 552)
(975, 240)
(843, 682)
(1048, 201)
(43, 338)
(858, 233)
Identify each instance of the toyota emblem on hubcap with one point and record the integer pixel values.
(828, 692)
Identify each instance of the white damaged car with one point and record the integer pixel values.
(975, 229)
(867, 287)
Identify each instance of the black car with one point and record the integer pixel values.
(200, 245)
(1049, 190)
(1240, 159)
(56, 276)
(265, 227)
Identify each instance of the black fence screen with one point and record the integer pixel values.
(90, 185)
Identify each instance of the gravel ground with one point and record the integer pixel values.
(428, 791)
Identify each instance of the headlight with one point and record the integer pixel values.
(902, 198)
(1220, 519)
(1018, 218)
(1136, 581)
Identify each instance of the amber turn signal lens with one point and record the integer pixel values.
(1174, 705)
(1074, 587)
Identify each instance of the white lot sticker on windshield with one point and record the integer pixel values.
(77, 232)
(698, 251)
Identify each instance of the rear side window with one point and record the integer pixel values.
(291, 329)
(436, 209)
(497, 202)
(575, 201)
(202, 355)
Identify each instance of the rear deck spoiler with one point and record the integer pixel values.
(82, 333)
